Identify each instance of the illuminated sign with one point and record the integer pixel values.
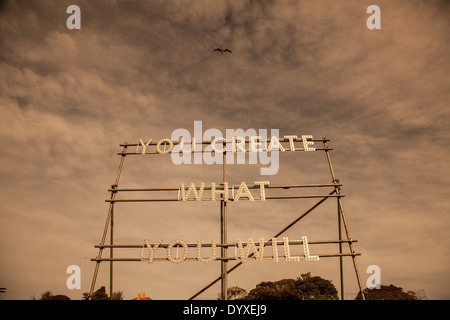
(241, 253)
(240, 147)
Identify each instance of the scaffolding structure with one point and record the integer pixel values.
(334, 192)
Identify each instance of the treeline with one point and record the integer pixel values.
(305, 287)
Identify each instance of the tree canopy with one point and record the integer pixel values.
(48, 295)
(305, 287)
(101, 294)
(236, 293)
(390, 292)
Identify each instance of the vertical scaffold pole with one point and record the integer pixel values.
(223, 234)
(109, 222)
(111, 241)
(341, 216)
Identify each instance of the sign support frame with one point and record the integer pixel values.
(109, 224)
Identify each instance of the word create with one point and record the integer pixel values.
(243, 191)
(238, 144)
(250, 250)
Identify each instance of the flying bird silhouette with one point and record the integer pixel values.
(222, 50)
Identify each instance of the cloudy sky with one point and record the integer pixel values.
(139, 70)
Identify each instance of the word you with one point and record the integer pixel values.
(243, 191)
(250, 250)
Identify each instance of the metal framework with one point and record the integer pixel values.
(224, 245)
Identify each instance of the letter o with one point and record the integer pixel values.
(169, 251)
(213, 144)
(161, 142)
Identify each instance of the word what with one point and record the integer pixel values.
(243, 191)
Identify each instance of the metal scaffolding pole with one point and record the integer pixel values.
(111, 269)
(321, 255)
(208, 199)
(208, 245)
(341, 263)
(223, 233)
(109, 219)
(341, 216)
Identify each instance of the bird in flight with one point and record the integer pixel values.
(222, 50)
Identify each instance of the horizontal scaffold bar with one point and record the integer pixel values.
(219, 187)
(207, 245)
(225, 258)
(201, 151)
(246, 140)
(231, 199)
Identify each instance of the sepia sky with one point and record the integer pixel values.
(141, 69)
